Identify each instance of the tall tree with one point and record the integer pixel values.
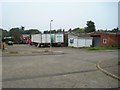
(115, 30)
(22, 28)
(90, 27)
(4, 33)
(45, 32)
(16, 33)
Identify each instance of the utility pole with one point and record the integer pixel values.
(50, 34)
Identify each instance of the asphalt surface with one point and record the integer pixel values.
(76, 68)
(110, 68)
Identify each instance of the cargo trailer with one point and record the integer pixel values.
(36, 39)
(46, 39)
(59, 39)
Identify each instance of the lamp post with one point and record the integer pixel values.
(50, 33)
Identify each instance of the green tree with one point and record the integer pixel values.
(53, 31)
(59, 31)
(46, 32)
(78, 30)
(22, 28)
(115, 30)
(90, 27)
(32, 31)
(16, 33)
(4, 33)
(82, 30)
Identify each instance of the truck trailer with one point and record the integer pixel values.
(46, 39)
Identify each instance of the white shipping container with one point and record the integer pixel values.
(36, 38)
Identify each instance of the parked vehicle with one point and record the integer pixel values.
(30, 41)
(10, 43)
(36, 39)
(59, 39)
(46, 39)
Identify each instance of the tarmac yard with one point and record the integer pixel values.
(25, 66)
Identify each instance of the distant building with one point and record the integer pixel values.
(81, 40)
(105, 39)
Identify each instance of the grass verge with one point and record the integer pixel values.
(103, 48)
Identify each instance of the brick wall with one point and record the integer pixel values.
(110, 40)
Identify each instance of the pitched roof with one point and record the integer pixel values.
(79, 34)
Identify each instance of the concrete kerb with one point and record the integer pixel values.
(33, 53)
(106, 72)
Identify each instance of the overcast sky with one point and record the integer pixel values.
(65, 15)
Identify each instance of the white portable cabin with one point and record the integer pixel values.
(59, 38)
(79, 41)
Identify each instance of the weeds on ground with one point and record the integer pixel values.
(104, 48)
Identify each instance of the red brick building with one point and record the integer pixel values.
(105, 39)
